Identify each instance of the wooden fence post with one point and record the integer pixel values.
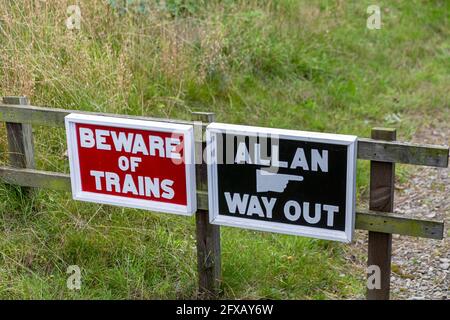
(208, 235)
(382, 180)
(20, 140)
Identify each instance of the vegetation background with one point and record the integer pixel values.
(310, 65)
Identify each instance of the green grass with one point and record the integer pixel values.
(309, 65)
(133, 254)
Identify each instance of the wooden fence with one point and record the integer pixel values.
(380, 221)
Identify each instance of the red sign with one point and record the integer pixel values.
(132, 163)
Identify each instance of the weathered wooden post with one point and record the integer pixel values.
(208, 235)
(382, 176)
(20, 140)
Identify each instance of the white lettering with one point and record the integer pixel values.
(297, 210)
(156, 143)
(242, 155)
(139, 145)
(166, 186)
(128, 185)
(171, 146)
(299, 160)
(100, 138)
(123, 141)
(98, 181)
(86, 138)
(319, 160)
(236, 202)
(331, 210)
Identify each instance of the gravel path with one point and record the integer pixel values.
(420, 267)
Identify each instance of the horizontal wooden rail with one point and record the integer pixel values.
(403, 152)
(365, 219)
(35, 178)
(396, 223)
(368, 149)
(52, 117)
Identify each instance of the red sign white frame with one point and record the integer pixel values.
(187, 131)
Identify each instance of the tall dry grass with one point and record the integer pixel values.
(140, 63)
(100, 65)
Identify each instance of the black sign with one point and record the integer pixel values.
(285, 181)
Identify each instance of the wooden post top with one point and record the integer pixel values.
(387, 134)
(18, 100)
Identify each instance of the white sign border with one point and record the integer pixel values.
(215, 218)
(72, 150)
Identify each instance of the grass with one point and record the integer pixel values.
(309, 65)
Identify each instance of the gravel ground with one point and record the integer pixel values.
(420, 267)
